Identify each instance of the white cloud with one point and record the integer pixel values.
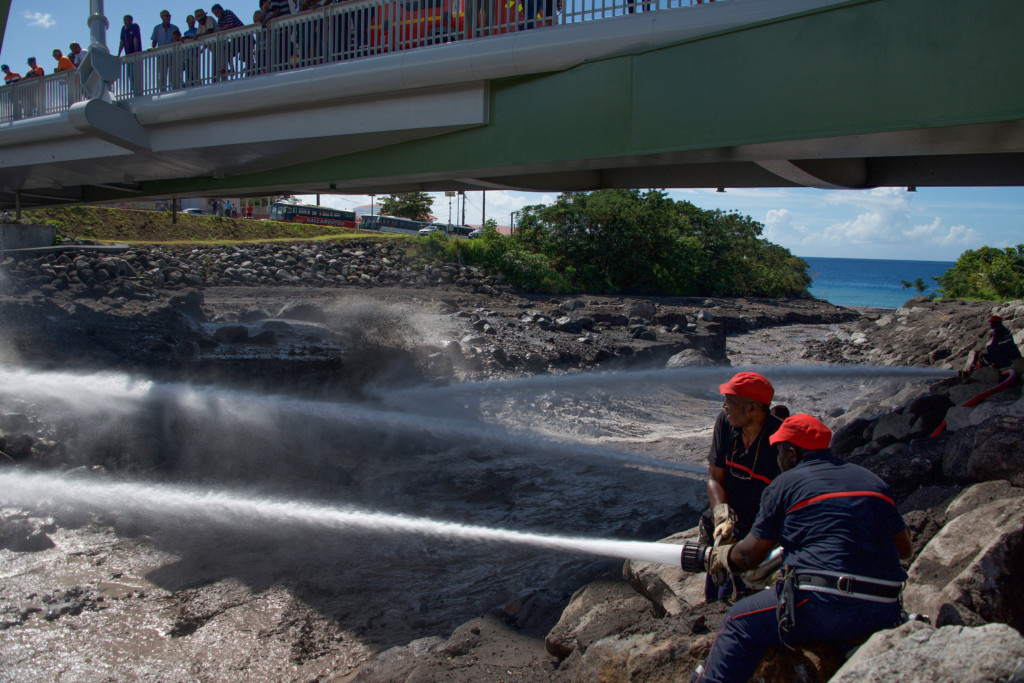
(937, 233)
(40, 19)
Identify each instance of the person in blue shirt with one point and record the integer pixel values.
(131, 37)
(163, 35)
(842, 541)
(131, 42)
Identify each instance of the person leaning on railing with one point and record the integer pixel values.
(280, 48)
(33, 99)
(10, 78)
(65, 64)
(76, 55)
(226, 50)
(163, 35)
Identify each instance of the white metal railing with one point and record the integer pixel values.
(38, 96)
(337, 32)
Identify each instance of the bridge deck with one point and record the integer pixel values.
(754, 93)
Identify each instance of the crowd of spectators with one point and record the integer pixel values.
(244, 54)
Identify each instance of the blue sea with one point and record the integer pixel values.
(870, 282)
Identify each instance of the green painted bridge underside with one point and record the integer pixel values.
(826, 85)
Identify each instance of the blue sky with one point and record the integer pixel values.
(930, 224)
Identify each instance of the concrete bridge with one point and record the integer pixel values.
(399, 95)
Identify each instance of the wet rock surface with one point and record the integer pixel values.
(377, 392)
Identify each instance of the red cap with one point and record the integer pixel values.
(749, 385)
(803, 431)
(995, 319)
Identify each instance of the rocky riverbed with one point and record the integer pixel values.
(354, 377)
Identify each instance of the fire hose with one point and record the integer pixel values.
(1008, 377)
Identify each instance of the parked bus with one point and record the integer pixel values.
(316, 215)
(405, 226)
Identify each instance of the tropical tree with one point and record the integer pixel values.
(414, 205)
(985, 273)
(632, 241)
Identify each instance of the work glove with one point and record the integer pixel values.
(718, 564)
(725, 522)
(765, 574)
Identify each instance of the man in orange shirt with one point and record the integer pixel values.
(33, 97)
(10, 78)
(34, 69)
(63, 63)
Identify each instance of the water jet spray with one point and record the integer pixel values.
(151, 502)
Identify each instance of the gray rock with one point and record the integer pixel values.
(893, 426)
(919, 653)
(998, 451)
(572, 305)
(671, 590)
(689, 358)
(973, 561)
(644, 309)
(980, 495)
(24, 534)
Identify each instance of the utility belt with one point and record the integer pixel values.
(849, 585)
(831, 583)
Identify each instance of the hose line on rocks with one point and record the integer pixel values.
(1008, 378)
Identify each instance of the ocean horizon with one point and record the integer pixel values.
(870, 282)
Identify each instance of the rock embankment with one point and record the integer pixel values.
(246, 310)
(361, 263)
(922, 332)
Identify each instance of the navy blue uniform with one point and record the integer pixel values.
(748, 471)
(828, 516)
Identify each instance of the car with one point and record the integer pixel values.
(195, 212)
(433, 227)
(475, 233)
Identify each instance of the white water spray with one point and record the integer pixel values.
(684, 379)
(45, 492)
(118, 396)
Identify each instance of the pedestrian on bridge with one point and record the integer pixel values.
(76, 55)
(33, 97)
(227, 49)
(63, 63)
(163, 35)
(204, 23)
(131, 43)
(10, 78)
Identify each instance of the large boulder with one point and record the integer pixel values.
(663, 656)
(670, 651)
(595, 611)
(974, 564)
(669, 588)
(999, 451)
(980, 495)
(918, 653)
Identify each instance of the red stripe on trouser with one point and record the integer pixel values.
(745, 614)
(841, 494)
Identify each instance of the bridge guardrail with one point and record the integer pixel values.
(334, 33)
